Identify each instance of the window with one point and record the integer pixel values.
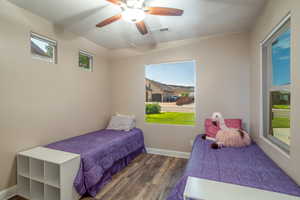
(85, 60)
(43, 48)
(276, 81)
(170, 93)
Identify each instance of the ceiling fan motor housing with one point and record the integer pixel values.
(138, 4)
(133, 15)
(134, 11)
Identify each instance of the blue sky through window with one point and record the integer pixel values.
(281, 59)
(43, 45)
(181, 73)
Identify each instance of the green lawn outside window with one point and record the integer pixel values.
(177, 118)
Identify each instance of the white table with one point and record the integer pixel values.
(203, 189)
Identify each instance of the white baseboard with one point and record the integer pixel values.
(8, 193)
(165, 152)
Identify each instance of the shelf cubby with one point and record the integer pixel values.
(36, 169)
(24, 186)
(52, 193)
(47, 174)
(52, 174)
(36, 190)
(23, 166)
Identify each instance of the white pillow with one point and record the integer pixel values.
(131, 117)
(121, 122)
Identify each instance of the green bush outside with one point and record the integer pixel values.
(153, 108)
(84, 61)
(184, 94)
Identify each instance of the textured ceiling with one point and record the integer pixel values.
(200, 18)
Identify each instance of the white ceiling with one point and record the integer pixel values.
(200, 18)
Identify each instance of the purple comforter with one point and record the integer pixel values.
(248, 166)
(99, 152)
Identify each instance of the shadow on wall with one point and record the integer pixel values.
(12, 174)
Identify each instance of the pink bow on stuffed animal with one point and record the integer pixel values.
(228, 137)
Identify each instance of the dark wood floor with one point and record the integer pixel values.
(148, 177)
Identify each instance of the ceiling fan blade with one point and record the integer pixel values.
(117, 2)
(109, 20)
(163, 11)
(141, 26)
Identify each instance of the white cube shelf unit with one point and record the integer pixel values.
(47, 174)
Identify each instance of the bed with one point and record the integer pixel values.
(103, 153)
(248, 166)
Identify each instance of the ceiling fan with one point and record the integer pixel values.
(134, 11)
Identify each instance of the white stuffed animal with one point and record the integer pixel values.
(228, 137)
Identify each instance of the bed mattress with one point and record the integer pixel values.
(247, 166)
(103, 153)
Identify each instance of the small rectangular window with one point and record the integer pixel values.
(85, 60)
(276, 59)
(43, 48)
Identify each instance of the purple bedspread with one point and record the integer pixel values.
(248, 166)
(101, 152)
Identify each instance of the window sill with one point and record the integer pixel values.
(281, 151)
(171, 125)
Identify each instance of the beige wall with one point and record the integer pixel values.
(274, 12)
(222, 72)
(41, 102)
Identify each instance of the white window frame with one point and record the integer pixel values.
(52, 43)
(90, 56)
(266, 73)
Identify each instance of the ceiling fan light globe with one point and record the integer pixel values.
(133, 15)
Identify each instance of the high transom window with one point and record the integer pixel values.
(85, 60)
(43, 48)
